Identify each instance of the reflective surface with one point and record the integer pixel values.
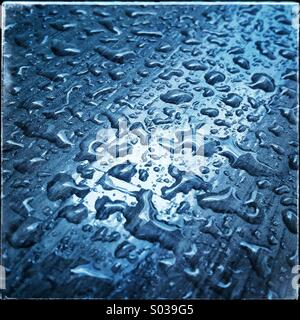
(150, 221)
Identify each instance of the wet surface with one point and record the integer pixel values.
(219, 223)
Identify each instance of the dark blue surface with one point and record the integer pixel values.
(77, 225)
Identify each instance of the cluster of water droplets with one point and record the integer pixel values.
(150, 221)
